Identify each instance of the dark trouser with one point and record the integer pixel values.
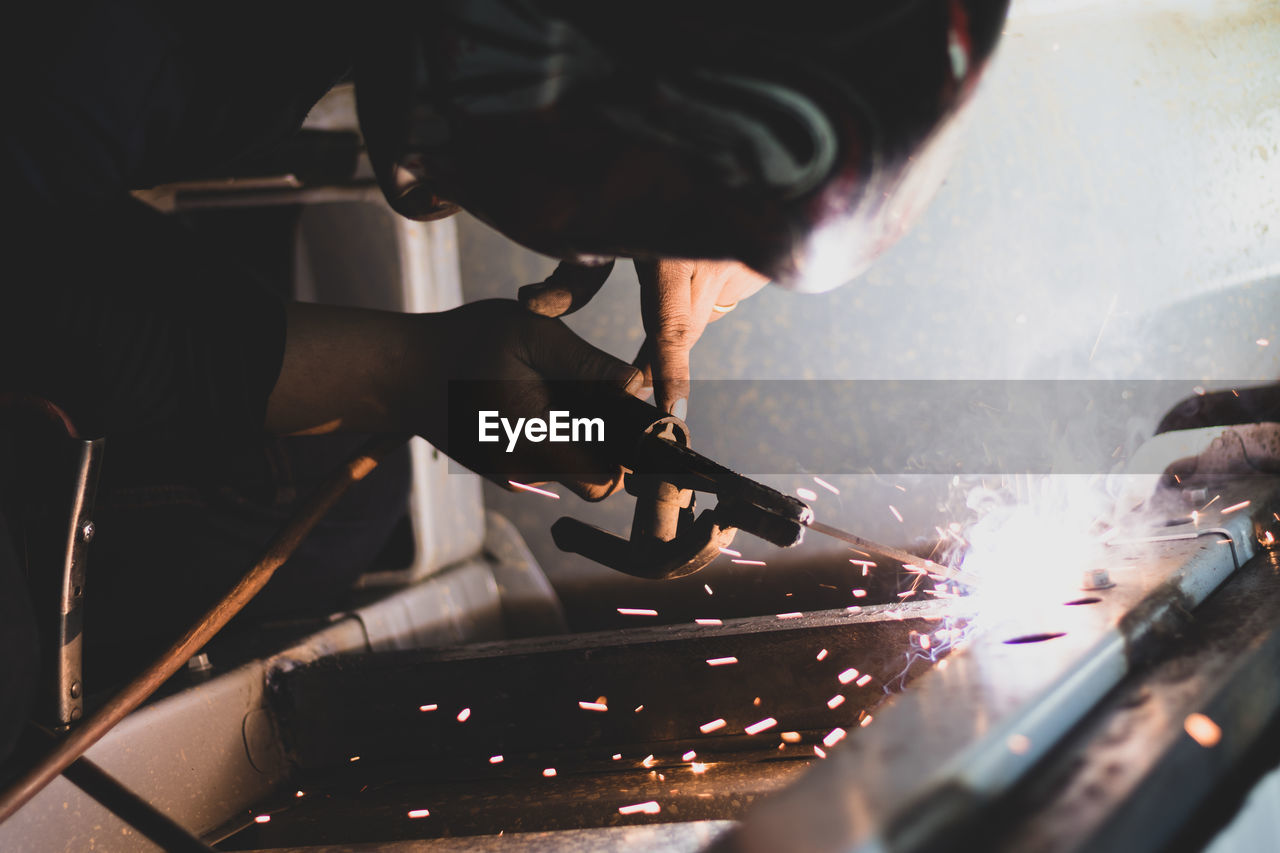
(178, 523)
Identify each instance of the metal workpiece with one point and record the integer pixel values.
(702, 719)
(1162, 757)
(967, 732)
(683, 837)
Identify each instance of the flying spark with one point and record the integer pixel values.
(864, 680)
(689, 756)
(731, 552)
(822, 655)
(649, 761)
(427, 707)
(830, 488)
(807, 494)
(795, 615)
(708, 621)
(524, 487)
(721, 661)
(818, 751)
(549, 772)
(834, 737)
(1202, 730)
(262, 818)
(749, 562)
(636, 611)
(756, 728)
(416, 813)
(496, 759)
(835, 701)
(593, 706)
(1234, 507)
(708, 728)
(464, 715)
(847, 676)
(790, 737)
(650, 807)
(859, 593)
(707, 587)
(893, 509)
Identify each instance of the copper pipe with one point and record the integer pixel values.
(136, 692)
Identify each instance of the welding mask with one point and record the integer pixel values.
(801, 139)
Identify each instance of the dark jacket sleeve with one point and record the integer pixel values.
(124, 319)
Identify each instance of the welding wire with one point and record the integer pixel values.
(136, 692)
(904, 557)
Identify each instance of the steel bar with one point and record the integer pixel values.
(137, 691)
(132, 809)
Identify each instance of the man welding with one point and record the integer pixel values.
(718, 146)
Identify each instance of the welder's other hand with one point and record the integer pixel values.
(566, 290)
(678, 298)
(501, 358)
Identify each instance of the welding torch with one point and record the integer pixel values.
(669, 539)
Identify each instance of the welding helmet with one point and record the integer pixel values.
(800, 138)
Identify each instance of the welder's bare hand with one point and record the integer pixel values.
(678, 299)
